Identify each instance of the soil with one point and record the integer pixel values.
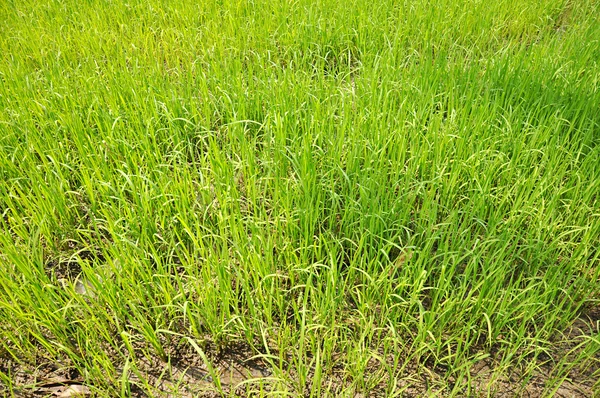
(186, 375)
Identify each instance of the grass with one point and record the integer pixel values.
(366, 197)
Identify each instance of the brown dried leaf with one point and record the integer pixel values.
(75, 390)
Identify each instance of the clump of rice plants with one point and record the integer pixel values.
(300, 198)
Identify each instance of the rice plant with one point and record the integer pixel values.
(300, 198)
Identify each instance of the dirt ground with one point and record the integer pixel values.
(186, 374)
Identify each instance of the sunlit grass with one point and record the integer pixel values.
(369, 196)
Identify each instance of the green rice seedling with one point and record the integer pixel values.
(356, 198)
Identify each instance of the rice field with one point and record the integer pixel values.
(301, 198)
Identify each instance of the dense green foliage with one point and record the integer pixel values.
(363, 191)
